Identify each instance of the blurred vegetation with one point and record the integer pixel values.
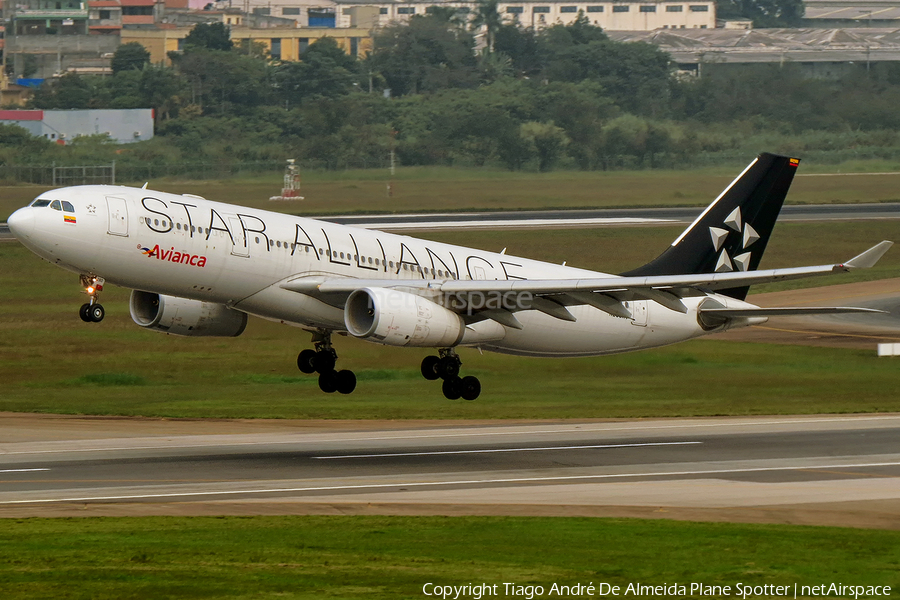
(566, 96)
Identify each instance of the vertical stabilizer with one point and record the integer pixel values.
(732, 233)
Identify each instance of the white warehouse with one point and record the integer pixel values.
(612, 16)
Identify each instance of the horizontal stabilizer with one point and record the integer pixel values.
(785, 311)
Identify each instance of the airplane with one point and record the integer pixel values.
(199, 268)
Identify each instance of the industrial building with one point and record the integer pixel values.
(820, 52)
(63, 126)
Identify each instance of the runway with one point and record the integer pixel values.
(618, 217)
(815, 469)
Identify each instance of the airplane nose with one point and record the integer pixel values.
(21, 222)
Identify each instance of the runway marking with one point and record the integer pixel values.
(432, 435)
(21, 470)
(494, 450)
(844, 175)
(523, 222)
(829, 333)
(420, 484)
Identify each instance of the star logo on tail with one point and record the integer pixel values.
(733, 224)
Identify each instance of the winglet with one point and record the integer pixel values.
(868, 258)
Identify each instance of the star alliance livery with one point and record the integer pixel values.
(199, 268)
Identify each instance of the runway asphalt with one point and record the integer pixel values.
(821, 469)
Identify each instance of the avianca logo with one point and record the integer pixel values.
(173, 255)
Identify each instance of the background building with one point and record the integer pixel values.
(611, 16)
(122, 125)
(282, 44)
(820, 52)
(851, 13)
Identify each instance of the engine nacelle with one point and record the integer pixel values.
(180, 316)
(397, 318)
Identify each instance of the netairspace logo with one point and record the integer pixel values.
(477, 591)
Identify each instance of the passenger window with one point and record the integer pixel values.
(55, 205)
(67, 206)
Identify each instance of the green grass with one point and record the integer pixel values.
(393, 557)
(421, 189)
(52, 362)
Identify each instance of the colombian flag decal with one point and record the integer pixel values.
(794, 162)
(69, 219)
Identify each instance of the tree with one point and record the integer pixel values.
(636, 75)
(163, 90)
(424, 55)
(487, 15)
(69, 91)
(548, 142)
(231, 80)
(130, 56)
(521, 46)
(211, 36)
(764, 13)
(324, 70)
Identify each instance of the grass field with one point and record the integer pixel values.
(52, 362)
(394, 557)
(444, 189)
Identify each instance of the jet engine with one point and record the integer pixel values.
(180, 316)
(398, 318)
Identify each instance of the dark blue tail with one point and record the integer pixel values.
(732, 233)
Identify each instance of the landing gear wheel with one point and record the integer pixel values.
(85, 312)
(448, 367)
(470, 387)
(328, 382)
(452, 388)
(346, 381)
(324, 362)
(306, 361)
(430, 368)
(97, 313)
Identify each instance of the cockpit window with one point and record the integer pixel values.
(67, 206)
(55, 205)
(40, 203)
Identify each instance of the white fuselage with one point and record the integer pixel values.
(190, 247)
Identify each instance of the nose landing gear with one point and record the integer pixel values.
(446, 366)
(92, 311)
(322, 361)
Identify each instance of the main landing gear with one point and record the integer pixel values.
(446, 366)
(322, 361)
(92, 311)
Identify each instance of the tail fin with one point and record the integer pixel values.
(732, 233)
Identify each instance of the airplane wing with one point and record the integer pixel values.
(606, 293)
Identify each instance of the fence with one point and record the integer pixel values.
(84, 175)
(58, 176)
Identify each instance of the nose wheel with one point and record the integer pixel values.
(446, 366)
(92, 311)
(322, 360)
